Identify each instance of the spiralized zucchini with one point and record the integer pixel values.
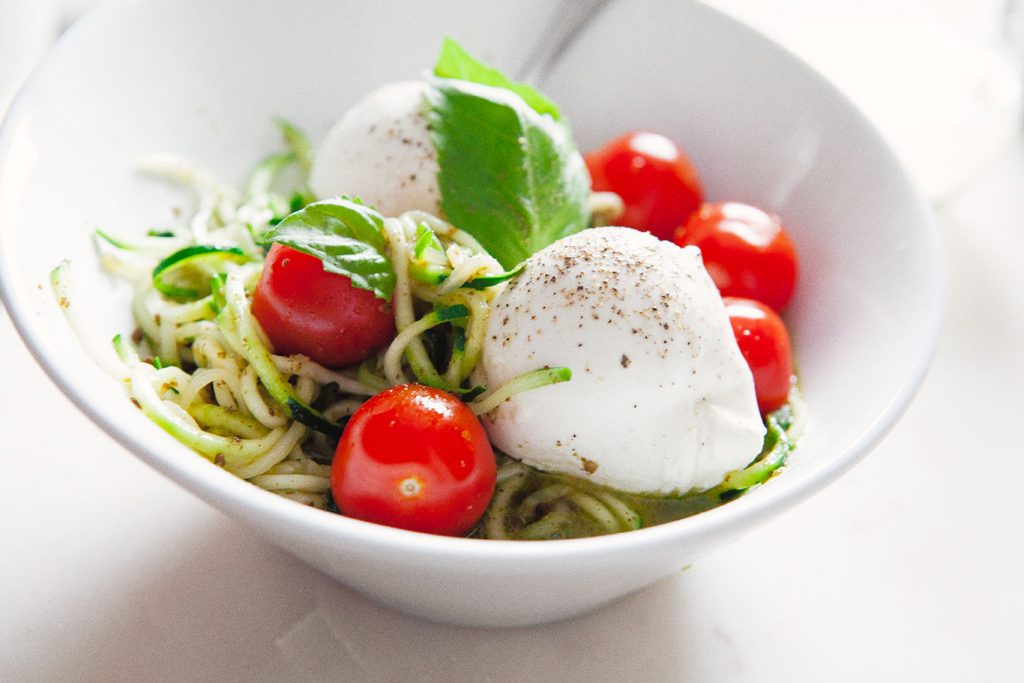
(201, 368)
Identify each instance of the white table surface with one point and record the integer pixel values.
(908, 569)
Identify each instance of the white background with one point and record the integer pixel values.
(908, 569)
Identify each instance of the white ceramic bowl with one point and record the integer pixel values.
(204, 79)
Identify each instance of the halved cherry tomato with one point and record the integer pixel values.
(764, 343)
(304, 309)
(656, 181)
(746, 251)
(417, 458)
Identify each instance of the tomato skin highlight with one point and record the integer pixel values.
(304, 309)
(657, 182)
(764, 343)
(746, 251)
(416, 458)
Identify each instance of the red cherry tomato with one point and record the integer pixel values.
(417, 458)
(746, 251)
(764, 343)
(304, 309)
(656, 181)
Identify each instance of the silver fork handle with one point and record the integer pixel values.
(569, 19)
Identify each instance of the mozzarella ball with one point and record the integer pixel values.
(660, 400)
(381, 152)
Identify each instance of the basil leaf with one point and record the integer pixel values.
(509, 176)
(346, 236)
(455, 62)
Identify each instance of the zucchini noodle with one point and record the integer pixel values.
(199, 365)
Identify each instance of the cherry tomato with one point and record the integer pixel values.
(764, 343)
(746, 251)
(304, 309)
(417, 458)
(656, 181)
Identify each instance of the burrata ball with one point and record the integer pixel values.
(660, 400)
(381, 152)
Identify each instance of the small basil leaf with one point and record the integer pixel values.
(346, 236)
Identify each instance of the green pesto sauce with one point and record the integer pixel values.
(529, 504)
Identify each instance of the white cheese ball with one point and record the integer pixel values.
(381, 152)
(660, 400)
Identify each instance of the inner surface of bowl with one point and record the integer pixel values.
(206, 79)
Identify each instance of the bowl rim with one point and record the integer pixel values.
(227, 492)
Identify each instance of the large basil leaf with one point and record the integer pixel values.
(510, 176)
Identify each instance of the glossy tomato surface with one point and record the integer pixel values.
(746, 251)
(416, 458)
(764, 343)
(655, 179)
(304, 309)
